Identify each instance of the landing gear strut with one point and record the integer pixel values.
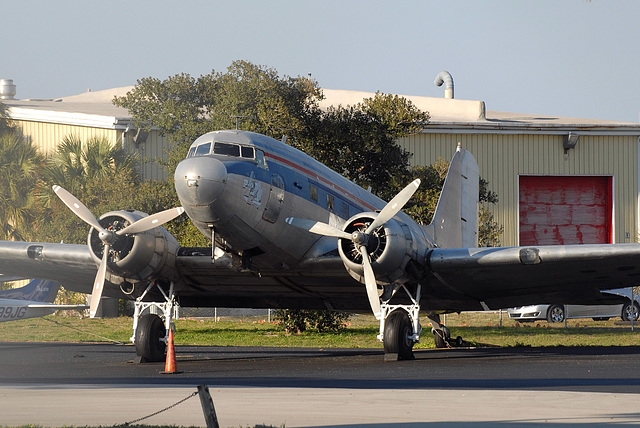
(150, 333)
(400, 326)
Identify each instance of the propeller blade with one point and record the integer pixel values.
(77, 207)
(98, 285)
(154, 220)
(394, 206)
(318, 227)
(370, 284)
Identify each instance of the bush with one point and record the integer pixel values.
(296, 321)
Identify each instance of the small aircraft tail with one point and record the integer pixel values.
(455, 222)
(38, 290)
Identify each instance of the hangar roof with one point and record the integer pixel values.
(447, 115)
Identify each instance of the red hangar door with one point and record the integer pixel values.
(564, 210)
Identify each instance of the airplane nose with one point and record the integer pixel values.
(200, 180)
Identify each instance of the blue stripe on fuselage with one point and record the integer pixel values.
(299, 171)
(297, 183)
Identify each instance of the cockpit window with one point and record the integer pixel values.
(227, 149)
(203, 149)
(247, 152)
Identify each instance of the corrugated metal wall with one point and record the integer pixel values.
(503, 157)
(47, 136)
(153, 148)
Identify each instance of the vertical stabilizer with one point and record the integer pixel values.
(38, 290)
(455, 222)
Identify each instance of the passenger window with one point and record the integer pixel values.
(331, 204)
(344, 210)
(313, 193)
(247, 152)
(261, 160)
(203, 149)
(226, 149)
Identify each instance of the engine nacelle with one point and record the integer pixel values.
(390, 247)
(133, 258)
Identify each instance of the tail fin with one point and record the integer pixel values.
(38, 290)
(455, 222)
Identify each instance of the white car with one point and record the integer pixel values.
(558, 313)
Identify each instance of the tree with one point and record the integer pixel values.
(184, 108)
(360, 141)
(5, 124)
(20, 164)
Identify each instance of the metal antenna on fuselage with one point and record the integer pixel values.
(237, 118)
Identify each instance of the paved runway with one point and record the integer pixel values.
(95, 384)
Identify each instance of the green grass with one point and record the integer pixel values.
(477, 328)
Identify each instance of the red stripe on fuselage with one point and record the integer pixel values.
(310, 173)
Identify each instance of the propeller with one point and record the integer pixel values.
(318, 227)
(360, 239)
(108, 237)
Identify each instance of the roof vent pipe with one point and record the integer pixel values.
(7, 89)
(445, 77)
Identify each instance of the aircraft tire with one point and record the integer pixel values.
(149, 335)
(397, 333)
(442, 342)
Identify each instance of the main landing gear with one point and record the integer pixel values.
(400, 327)
(150, 332)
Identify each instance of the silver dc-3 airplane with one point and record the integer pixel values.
(288, 232)
(31, 301)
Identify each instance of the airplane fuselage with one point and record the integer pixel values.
(245, 185)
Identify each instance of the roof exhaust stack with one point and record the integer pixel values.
(445, 77)
(7, 89)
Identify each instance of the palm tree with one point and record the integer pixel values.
(76, 164)
(20, 164)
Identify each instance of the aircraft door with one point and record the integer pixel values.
(276, 199)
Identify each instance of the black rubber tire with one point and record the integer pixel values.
(148, 340)
(628, 313)
(397, 335)
(442, 342)
(555, 313)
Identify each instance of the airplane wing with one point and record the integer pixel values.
(56, 307)
(505, 277)
(320, 282)
(315, 283)
(69, 264)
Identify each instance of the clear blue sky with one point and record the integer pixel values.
(572, 58)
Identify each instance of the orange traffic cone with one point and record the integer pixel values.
(170, 366)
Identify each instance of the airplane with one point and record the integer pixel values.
(288, 232)
(31, 301)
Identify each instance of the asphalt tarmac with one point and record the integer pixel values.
(97, 384)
